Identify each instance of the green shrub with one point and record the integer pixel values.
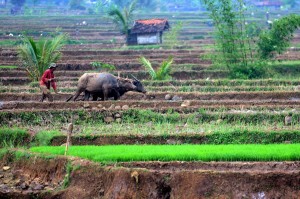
(43, 138)
(103, 66)
(250, 71)
(10, 137)
(199, 37)
(278, 38)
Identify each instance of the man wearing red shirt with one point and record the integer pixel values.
(48, 80)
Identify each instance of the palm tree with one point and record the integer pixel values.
(123, 20)
(162, 72)
(36, 56)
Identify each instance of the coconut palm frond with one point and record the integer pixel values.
(30, 42)
(131, 8)
(162, 73)
(37, 55)
(119, 19)
(56, 56)
(146, 63)
(27, 56)
(122, 19)
(58, 42)
(164, 70)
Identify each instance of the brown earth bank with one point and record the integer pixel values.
(151, 105)
(184, 138)
(153, 180)
(154, 96)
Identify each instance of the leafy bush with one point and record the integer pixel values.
(44, 138)
(18, 3)
(278, 38)
(171, 37)
(104, 66)
(76, 5)
(251, 71)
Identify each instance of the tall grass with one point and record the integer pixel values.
(43, 138)
(116, 153)
(10, 137)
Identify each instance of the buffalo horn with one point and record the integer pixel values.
(135, 78)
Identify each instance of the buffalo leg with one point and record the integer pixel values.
(78, 92)
(95, 97)
(86, 95)
(116, 94)
(105, 95)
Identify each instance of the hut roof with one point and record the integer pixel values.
(150, 25)
(268, 3)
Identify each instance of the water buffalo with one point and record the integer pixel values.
(105, 85)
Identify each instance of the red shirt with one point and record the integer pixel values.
(48, 74)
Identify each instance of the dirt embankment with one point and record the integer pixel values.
(153, 180)
(153, 96)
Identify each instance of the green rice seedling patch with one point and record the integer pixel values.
(8, 67)
(124, 153)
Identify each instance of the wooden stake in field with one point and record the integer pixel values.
(70, 130)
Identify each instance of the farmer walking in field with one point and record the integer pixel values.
(48, 80)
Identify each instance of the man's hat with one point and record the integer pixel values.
(52, 65)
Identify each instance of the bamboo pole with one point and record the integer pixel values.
(70, 130)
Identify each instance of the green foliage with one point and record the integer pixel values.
(252, 137)
(44, 138)
(171, 37)
(140, 116)
(278, 38)
(251, 71)
(229, 32)
(18, 3)
(3, 152)
(76, 5)
(67, 178)
(290, 3)
(10, 137)
(122, 20)
(162, 73)
(36, 56)
(8, 67)
(103, 66)
(100, 7)
(238, 152)
(234, 39)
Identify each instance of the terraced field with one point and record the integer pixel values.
(200, 105)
